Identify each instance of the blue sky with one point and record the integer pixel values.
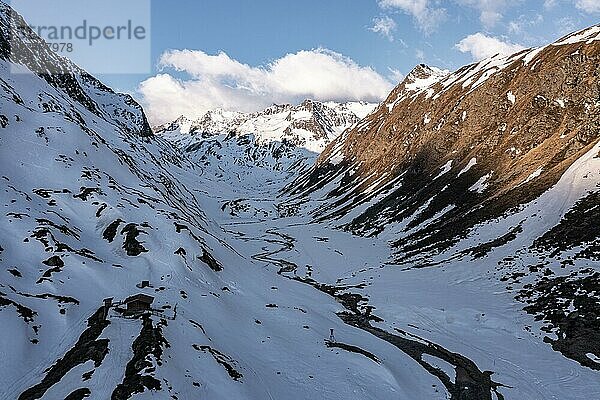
(258, 33)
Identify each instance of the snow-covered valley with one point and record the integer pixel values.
(253, 294)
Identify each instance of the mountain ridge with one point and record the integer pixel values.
(435, 133)
(19, 44)
(310, 124)
(482, 166)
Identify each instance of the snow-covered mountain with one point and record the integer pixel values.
(311, 125)
(95, 204)
(254, 294)
(276, 144)
(494, 168)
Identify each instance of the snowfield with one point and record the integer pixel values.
(247, 283)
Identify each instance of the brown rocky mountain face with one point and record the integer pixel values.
(495, 167)
(482, 140)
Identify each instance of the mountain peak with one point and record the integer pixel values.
(420, 71)
(423, 76)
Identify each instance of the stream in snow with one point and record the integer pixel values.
(456, 322)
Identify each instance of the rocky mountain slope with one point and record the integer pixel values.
(477, 142)
(250, 297)
(495, 165)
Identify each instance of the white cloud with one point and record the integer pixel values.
(490, 18)
(490, 11)
(427, 16)
(515, 27)
(395, 75)
(481, 46)
(523, 22)
(385, 26)
(565, 25)
(215, 81)
(589, 6)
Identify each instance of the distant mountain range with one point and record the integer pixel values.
(311, 125)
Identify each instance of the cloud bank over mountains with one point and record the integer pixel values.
(219, 81)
